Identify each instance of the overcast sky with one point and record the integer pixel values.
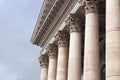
(18, 57)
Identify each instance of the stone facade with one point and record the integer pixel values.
(80, 39)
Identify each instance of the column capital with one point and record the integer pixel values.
(73, 23)
(43, 60)
(62, 39)
(90, 6)
(52, 51)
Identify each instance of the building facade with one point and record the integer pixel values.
(80, 39)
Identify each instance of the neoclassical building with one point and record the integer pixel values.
(80, 39)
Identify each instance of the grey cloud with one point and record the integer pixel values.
(6, 73)
(17, 54)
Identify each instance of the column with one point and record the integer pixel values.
(52, 53)
(44, 66)
(63, 50)
(112, 39)
(81, 77)
(74, 64)
(91, 55)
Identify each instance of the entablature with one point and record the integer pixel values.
(47, 4)
(48, 12)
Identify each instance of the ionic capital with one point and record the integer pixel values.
(90, 6)
(52, 51)
(43, 61)
(73, 23)
(62, 39)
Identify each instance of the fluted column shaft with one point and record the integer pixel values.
(112, 39)
(52, 54)
(44, 67)
(91, 55)
(63, 51)
(74, 64)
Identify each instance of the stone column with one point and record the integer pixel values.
(63, 50)
(81, 77)
(52, 53)
(74, 64)
(91, 55)
(44, 66)
(112, 39)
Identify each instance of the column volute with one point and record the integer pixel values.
(43, 60)
(52, 51)
(73, 22)
(62, 39)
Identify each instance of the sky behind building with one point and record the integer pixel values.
(18, 57)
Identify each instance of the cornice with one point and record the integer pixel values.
(49, 19)
(46, 21)
(47, 4)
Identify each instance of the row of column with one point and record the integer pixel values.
(67, 66)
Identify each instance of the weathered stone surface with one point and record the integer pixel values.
(112, 39)
(63, 51)
(91, 54)
(52, 54)
(44, 66)
(74, 64)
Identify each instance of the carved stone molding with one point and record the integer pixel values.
(73, 23)
(48, 13)
(90, 6)
(43, 61)
(62, 39)
(52, 51)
